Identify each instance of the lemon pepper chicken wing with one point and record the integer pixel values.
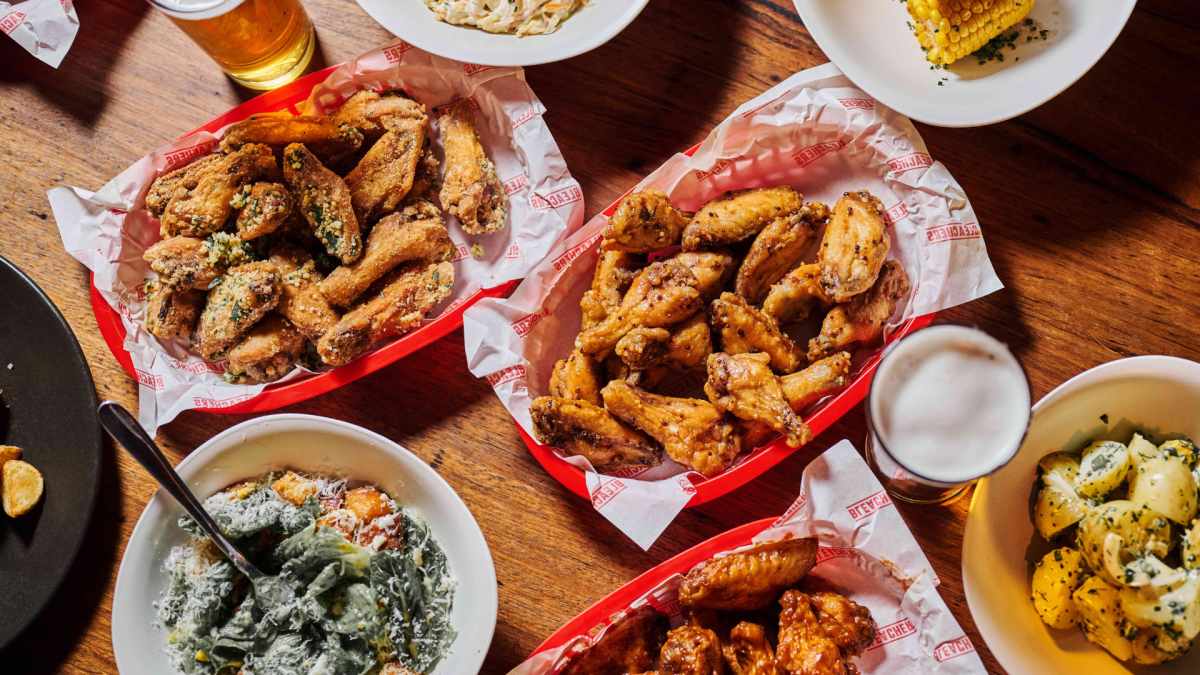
(615, 271)
(683, 347)
(744, 386)
(263, 208)
(584, 429)
(804, 646)
(693, 432)
(203, 209)
(749, 579)
(644, 222)
(385, 175)
(748, 652)
(394, 306)
(692, 651)
(738, 215)
(471, 190)
(777, 249)
(324, 200)
(172, 311)
(797, 295)
(817, 381)
(301, 301)
(268, 352)
(743, 328)
(165, 185)
(847, 623)
(630, 645)
(243, 296)
(577, 377)
(416, 232)
(325, 138)
(854, 246)
(862, 319)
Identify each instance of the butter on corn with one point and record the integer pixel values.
(951, 29)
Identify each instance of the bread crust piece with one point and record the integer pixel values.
(170, 311)
(324, 200)
(325, 138)
(471, 190)
(269, 351)
(416, 232)
(749, 579)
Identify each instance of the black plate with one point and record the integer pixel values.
(48, 409)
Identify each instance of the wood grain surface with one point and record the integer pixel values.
(1090, 207)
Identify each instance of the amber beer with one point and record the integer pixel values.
(261, 44)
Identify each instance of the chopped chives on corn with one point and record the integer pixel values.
(951, 29)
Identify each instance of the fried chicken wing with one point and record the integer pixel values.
(861, 321)
(414, 233)
(684, 347)
(630, 645)
(748, 652)
(201, 210)
(749, 579)
(182, 262)
(325, 138)
(301, 301)
(713, 270)
(385, 175)
(644, 222)
(738, 215)
(797, 295)
(804, 646)
(743, 328)
(471, 190)
(744, 386)
(777, 249)
(425, 180)
(581, 428)
(644, 347)
(172, 311)
(370, 112)
(643, 378)
(394, 306)
(817, 381)
(615, 271)
(263, 207)
(854, 247)
(165, 185)
(692, 651)
(235, 303)
(694, 433)
(268, 352)
(577, 377)
(847, 623)
(325, 202)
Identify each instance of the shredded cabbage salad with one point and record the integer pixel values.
(524, 17)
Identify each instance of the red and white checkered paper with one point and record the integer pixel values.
(866, 550)
(816, 132)
(44, 28)
(110, 229)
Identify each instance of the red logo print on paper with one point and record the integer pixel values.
(475, 68)
(830, 552)
(857, 103)
(525, 325)
(507, 375)
(632, 472)
(951, 231)
(185, 155)
(917, 160)
(865, 507)
(514, 252)
(461, 252)
(717, 168)
(560, 197)
(791, 511)
(892, 632)
(514, 185)
(896, 213)
(10, 22)
(396, 52)
(605, 493)
(560, 263)
(685, 485)
(750, 112)
(201, 366)
(954, 648)
(212, 403)
(811, 154)
(459, 302)
(525, 117)
(155, 382)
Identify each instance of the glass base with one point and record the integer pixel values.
(906, 488)
(270, 78)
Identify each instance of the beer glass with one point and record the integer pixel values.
(261, 44)
(947, 405)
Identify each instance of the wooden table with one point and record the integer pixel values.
(1090, 207)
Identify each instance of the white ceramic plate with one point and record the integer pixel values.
(870, 41)
(1160, 394)
(588, 28)
(315, 444)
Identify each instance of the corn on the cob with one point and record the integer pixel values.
(950, 29)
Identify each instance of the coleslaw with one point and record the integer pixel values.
(523, 17)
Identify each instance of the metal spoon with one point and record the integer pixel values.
(125, 429)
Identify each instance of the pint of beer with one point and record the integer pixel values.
(261, 44)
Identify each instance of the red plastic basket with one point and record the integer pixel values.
(276, 396)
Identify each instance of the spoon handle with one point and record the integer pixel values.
(125, 429)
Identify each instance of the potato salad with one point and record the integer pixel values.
(523, 17)
(1130, 576)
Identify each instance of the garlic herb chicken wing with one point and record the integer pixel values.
(692, 651)
(201, 210)
(644, 222)
(744, 386)
(630, 645)
(165, 185)
(171, 311)
(370, 112)
(749, 579)
(325, 202)
(854, 246)
(615, 272)
(777, 249)
(738, 215)
(577, 377)
(743, 328)
(861, 320)
(235, 303)
(847, 623)
(385, 175)
(797, 295)
(263, 207)
(471, 190)
(301, 301)
(748, 652)
(804, 646)
(268, 352)
(325, 138)
(694, 433)
(581, 428)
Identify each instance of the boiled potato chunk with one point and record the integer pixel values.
(1165, 484)
(1152, 646)
(1174, 608)
(1057, 508)
(21, 486)
(1055, 578)
(1141, 450)
(1062, 464)
(1142, 531)
(1182, 448)
(1189, 547)
(1104, 466)
(1102, 618)
(9, 452)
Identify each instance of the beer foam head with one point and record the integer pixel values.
(950, 403)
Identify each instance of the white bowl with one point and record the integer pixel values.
(315, 444)
(1160, 394)
(589, 27)
(870, 41)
